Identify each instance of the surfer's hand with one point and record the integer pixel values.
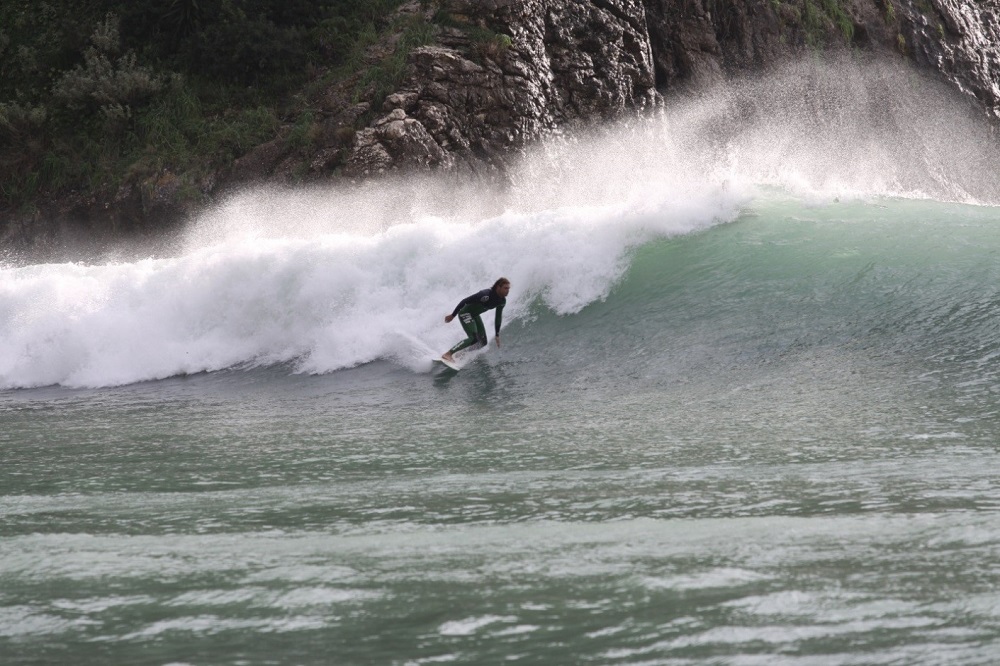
(448, 318)
(496, 338)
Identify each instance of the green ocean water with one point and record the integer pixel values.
(772, 440)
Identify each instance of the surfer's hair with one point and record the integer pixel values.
(499, 283)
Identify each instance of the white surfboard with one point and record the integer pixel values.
(450, 364)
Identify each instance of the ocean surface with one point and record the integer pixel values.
(746, 409)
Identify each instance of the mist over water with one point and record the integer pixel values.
(813, 129)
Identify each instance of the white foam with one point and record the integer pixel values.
(256, 596)
(201, 624)
(323, 303)
(21, 621)
(101, 604)
(724, 577)
(471, 625)
(517, 630)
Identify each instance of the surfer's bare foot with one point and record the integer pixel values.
(447, 357)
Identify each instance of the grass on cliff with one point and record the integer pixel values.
(819, 18)
(97, 94)
(384, 77)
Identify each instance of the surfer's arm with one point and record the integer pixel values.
(497, 318)
(462, 303)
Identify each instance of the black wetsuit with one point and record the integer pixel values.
(469, 310)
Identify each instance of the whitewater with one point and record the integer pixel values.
(745, 411)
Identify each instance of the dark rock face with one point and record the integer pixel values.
(960, 39)
(568, 61)
(549, 64)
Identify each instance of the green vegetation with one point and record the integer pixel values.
(817, 19)
(890, 12)
(96, 93)
(484, 40)
(840, 18)
(812, 20)
(489, 44)
(382, 79)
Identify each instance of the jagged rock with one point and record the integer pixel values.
(259, 163)
(961, 40)
(395, 142)
(565, 62)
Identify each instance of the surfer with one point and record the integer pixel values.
(469, 310)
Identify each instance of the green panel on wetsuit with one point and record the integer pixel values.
(473, 326)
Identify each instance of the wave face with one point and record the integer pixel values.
(905, 286)
(834, 170)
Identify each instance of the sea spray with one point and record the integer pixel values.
(329, 302)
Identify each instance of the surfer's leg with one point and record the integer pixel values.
(480, 333)
(473, 327)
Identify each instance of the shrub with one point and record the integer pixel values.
(106, 82)
(840, 18)
(96, 93)
(890, 12)
(304, 131)
(492, 46)
(382, 79)
(18, 121)
(249, 51)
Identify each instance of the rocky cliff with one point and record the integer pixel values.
(502, 73)
(568, 62)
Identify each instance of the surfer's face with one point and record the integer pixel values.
(503, 289)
